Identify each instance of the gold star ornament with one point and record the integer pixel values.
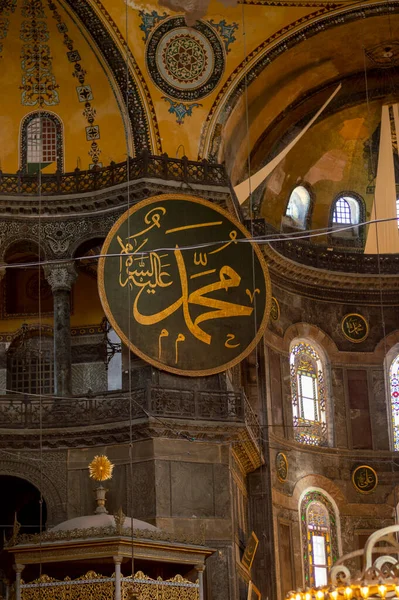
(101, 468)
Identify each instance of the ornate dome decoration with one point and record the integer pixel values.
(185, 62)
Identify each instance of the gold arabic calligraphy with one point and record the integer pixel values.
(147, 271)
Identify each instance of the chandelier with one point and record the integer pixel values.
(379, 578)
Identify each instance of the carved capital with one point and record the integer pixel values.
(18, 568)
(61, 275)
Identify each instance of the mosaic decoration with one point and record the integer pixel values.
(6, 8)
(149, 21)
(355, 328)
(24, 138)
(186, 63)
(225, 31)
(281, 467)
(394, 387)
(133, 87)
(39, 87)
(317, 515)
(180, 110)
(364, 479)
(308, 396)
(275, 310)
(192, 312)
(83, 90)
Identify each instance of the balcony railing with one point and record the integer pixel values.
(30, 412)
(143, 166)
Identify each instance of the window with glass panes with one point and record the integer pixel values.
(308, 395)
(394, 388)
(342, 212)
(41, 141)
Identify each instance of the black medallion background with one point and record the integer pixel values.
(218, 59)
(184, 331)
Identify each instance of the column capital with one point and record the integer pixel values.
(200, 568)
(117, 560)
(60, 275)
(18, 568)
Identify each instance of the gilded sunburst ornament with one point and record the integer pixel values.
(101, 468)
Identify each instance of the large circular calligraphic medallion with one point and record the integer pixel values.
(182, 287)
(185, 62)
(364, 479)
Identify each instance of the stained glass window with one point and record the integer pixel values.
(394, 385)
(298, 205)
(308, 395)
(319, 538)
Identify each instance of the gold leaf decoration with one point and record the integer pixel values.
(101, 468)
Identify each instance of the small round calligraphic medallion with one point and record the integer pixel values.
(355, 327)
(365, 479)
(180, 286)
(274, 310)
(281, 467)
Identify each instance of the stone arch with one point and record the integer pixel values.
(24, 470)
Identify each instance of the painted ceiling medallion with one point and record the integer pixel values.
(186, 63)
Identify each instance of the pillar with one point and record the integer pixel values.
(18, 570)
(200, 571)
(117, 562)
(61, 277)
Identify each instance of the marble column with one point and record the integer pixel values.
(18, 570)
(61, 277)
(200, 571)
(117, 562)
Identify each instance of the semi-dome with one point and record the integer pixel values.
(102, 520)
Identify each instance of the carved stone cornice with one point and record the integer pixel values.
(330, 285)
(60, 276)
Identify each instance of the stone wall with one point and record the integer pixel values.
(359, 424)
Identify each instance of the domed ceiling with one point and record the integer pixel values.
(50, 67)
(176, 88)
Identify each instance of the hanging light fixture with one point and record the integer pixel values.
(379, 579)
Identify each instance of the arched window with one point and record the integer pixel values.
(397, 211)
(394, 387)
(319, 537)
(308, 395)
(298, 206)
(347, 209)
(30, 364)
(41, 143)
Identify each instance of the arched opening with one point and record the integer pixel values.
(20, 504)
(30, 362)
(298, 207)
(41, 142)
(26, 290)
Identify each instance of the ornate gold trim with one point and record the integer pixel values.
(277, 308)
(129, 343)
(285, 459)
(356, 486)
(346, 335)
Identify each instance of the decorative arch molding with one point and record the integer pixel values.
(314, 335)
(55, 505)
(23, 137)
(133, 90)
(259, 59)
